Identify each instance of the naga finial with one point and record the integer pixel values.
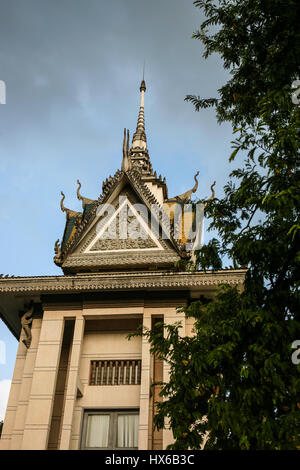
(62, 202)
(186, 197)
(196, 182)
(68, 212)
(84, 200)
(212, 192)
(78, 189)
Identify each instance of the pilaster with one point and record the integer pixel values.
(18, 430)
(42, 391)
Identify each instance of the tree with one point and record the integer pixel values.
(234, 378)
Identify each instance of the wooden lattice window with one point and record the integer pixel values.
(115, 372)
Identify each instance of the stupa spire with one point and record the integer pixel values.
(139, 140)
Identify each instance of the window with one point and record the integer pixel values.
(115, 372)
(108, 429)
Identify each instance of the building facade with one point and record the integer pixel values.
(79, 382)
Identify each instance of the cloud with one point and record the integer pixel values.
(72, 71)
(4, 392)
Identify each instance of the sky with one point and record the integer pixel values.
(72, 70)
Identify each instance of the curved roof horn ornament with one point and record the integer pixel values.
(69, 213)
(85, 200)
(212, 192)
(186, 197)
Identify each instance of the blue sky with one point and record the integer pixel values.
(72, 71)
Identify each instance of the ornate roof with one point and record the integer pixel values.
(92, 262)
(127, 184)
(146, 187)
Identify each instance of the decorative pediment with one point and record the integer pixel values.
(97, 239)
(124, 230)
(127, 228)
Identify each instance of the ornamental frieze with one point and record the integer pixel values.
(91, 282)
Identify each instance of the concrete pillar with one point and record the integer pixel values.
(145, 387)
(42, 391)
(12, 404)
(71, 389)
(17, 434)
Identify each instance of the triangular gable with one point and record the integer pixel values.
(91, 247)
(115, 235)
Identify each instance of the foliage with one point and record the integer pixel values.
(258, 41)
(209, 256)
(234, 378)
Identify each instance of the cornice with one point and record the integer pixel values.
(120, 281)
(121, 259)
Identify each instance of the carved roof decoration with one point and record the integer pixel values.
(212, 192)
(126, 162)
(186, 197)
(136, 170)
(69, 213)
(91, 266)
(131, 177)
(85, 200)
(87, 282)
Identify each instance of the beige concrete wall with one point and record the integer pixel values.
(39, 412)
(100, 343)
(100, 334)
(21, 412)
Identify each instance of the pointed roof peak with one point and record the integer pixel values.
(126, 162)
(139, 139)
(143, 86)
